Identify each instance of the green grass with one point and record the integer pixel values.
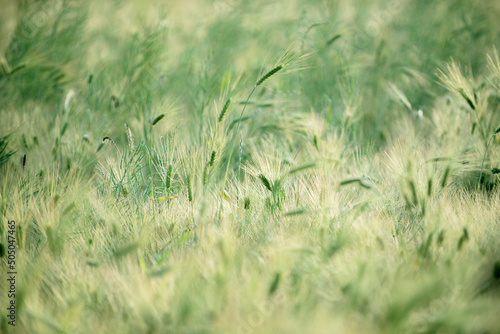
(251, 166)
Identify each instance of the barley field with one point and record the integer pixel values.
(231, 166)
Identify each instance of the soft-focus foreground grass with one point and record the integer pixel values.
(352, 191)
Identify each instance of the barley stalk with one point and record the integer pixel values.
(258, 83)
(484, 156)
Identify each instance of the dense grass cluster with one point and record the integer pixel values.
(251, 166)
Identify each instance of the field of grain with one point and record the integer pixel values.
(233, 166)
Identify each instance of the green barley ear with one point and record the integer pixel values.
(333, 39)
(302, 167)
(101, 145)
(205, 175)
(496, 270)
(274, 284)
(157, 119)
(168, 181)
(190, 191)
(453, 79)
(445, 177)
(115, 103)
(265, 182)
(463, 239)
(440, 238)
(469, 101)
(429, 187)
(224, 110)
(64, 128)
(349, 181)
(315, 142)
(413, 192)
(295, 212)
(268, 75)
(212, 159)
(247, 203)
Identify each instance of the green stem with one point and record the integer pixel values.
(482, 163)
(232, 148)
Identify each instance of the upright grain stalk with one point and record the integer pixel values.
(259, 82)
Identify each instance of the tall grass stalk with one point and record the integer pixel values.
(259, 82)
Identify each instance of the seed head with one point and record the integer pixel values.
(212, 159)
(268, 75)
(265, 182)
(224, 110)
